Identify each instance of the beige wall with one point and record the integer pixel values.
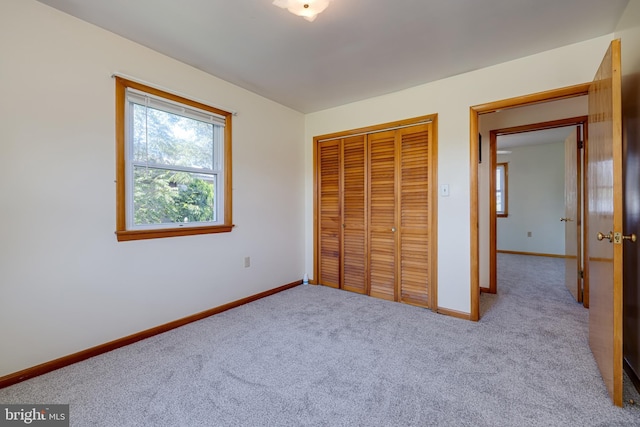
(536, 200)
(450, 99)
(65, 283)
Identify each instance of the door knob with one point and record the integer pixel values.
(631, 237)
(565, 219)
(601, 236)
(393, 229)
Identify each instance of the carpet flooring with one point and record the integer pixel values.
(315, 356)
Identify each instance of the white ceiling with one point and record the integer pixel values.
(355, 49)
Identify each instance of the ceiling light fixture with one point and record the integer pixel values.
(308, 9)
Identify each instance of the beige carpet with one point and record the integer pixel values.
(315, 356)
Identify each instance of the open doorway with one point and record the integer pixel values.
(605, 209)
(536, 105)
(537, 209)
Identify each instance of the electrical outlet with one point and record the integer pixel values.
(247, 262)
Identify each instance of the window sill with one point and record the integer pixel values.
(126, 235)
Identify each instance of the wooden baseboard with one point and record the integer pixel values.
(530, 254)
(454, 313)
(70, 359)
(631, 373)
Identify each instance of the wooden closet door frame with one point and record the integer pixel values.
(433, 191)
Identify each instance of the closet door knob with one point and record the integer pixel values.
(393, 229)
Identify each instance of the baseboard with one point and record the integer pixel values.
(530, 254)
(454, 313)
(70, 359)
(631, 373)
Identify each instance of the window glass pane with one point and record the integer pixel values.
(165, 196)
(501, 186)
(169, 139)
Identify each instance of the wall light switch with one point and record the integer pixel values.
(247, 262)
(444, 190)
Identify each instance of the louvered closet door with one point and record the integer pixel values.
(329, 215)
(354, 201)
(382, 214)
(414, 214)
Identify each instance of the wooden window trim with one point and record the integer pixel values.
(505, 192)
(122, 233)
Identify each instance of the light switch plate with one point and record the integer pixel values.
(444, 190)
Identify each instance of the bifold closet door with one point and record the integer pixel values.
(375, 215)
(400, 215)
(354, 221)
(329, 213)
(414, 211)
(382, 215)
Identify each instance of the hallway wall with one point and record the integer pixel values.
(536, 200)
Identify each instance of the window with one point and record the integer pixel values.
(501, 189)
(173, 164)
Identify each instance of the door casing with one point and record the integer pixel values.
(474, 115)
(493, 217)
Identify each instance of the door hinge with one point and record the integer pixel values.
(580, 145)
(582, 274)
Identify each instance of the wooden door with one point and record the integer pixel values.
(631, 269)
(604, 210)
(414, 212)
(329, 213)
(354, 200)
(382, 215)
(572, 214)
